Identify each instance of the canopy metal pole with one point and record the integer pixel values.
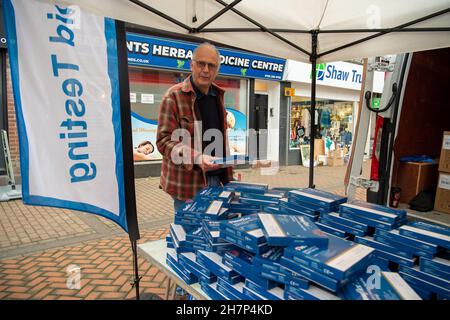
(217, 15)
(437, 29)
(263, 28)
(162, 15)
(313, 59)
(127, 146)
(386, 30)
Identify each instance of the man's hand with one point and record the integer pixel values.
(207, 163)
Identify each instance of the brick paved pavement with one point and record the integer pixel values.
(37, 244)
(105, 272)
(25, 229)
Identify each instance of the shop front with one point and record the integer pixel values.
(337, 96)
(157, 63)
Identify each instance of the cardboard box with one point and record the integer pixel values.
(323, 160)
(414, 177)
(442, 202)
(444, 161)
(319, 148)
(336, 153)
(335, 162)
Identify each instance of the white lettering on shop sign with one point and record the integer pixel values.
(171, 52)
(138, 47)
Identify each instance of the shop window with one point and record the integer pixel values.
(334, 119)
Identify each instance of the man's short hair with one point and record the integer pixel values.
(207, 45)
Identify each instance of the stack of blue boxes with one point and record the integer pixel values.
(331, 267)
(256, 195)
(431, 278)
(246, 233)
(245, 241)
(187, 233)
(310, 202)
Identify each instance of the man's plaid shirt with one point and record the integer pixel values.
(178, 110)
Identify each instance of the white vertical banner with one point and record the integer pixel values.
(65, 79)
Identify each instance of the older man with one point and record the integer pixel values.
(197, 106)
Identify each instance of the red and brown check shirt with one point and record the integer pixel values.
(178, 110)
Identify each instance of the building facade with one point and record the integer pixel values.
(337, 96)
(251, 83)
(255, 100)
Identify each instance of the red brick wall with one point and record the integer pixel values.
(12, 124)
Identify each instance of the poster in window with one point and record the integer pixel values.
(144, 138)
(237, 131)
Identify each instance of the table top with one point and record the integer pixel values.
(155, 252)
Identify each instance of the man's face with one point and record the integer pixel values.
(204, 68)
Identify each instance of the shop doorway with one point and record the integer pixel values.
(261, 108)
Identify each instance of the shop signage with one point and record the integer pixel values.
(158, 52)
(335, 74)
(66, 92)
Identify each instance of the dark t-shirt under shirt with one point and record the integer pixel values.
(211, 119)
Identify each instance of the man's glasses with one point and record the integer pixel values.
(202, 65)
